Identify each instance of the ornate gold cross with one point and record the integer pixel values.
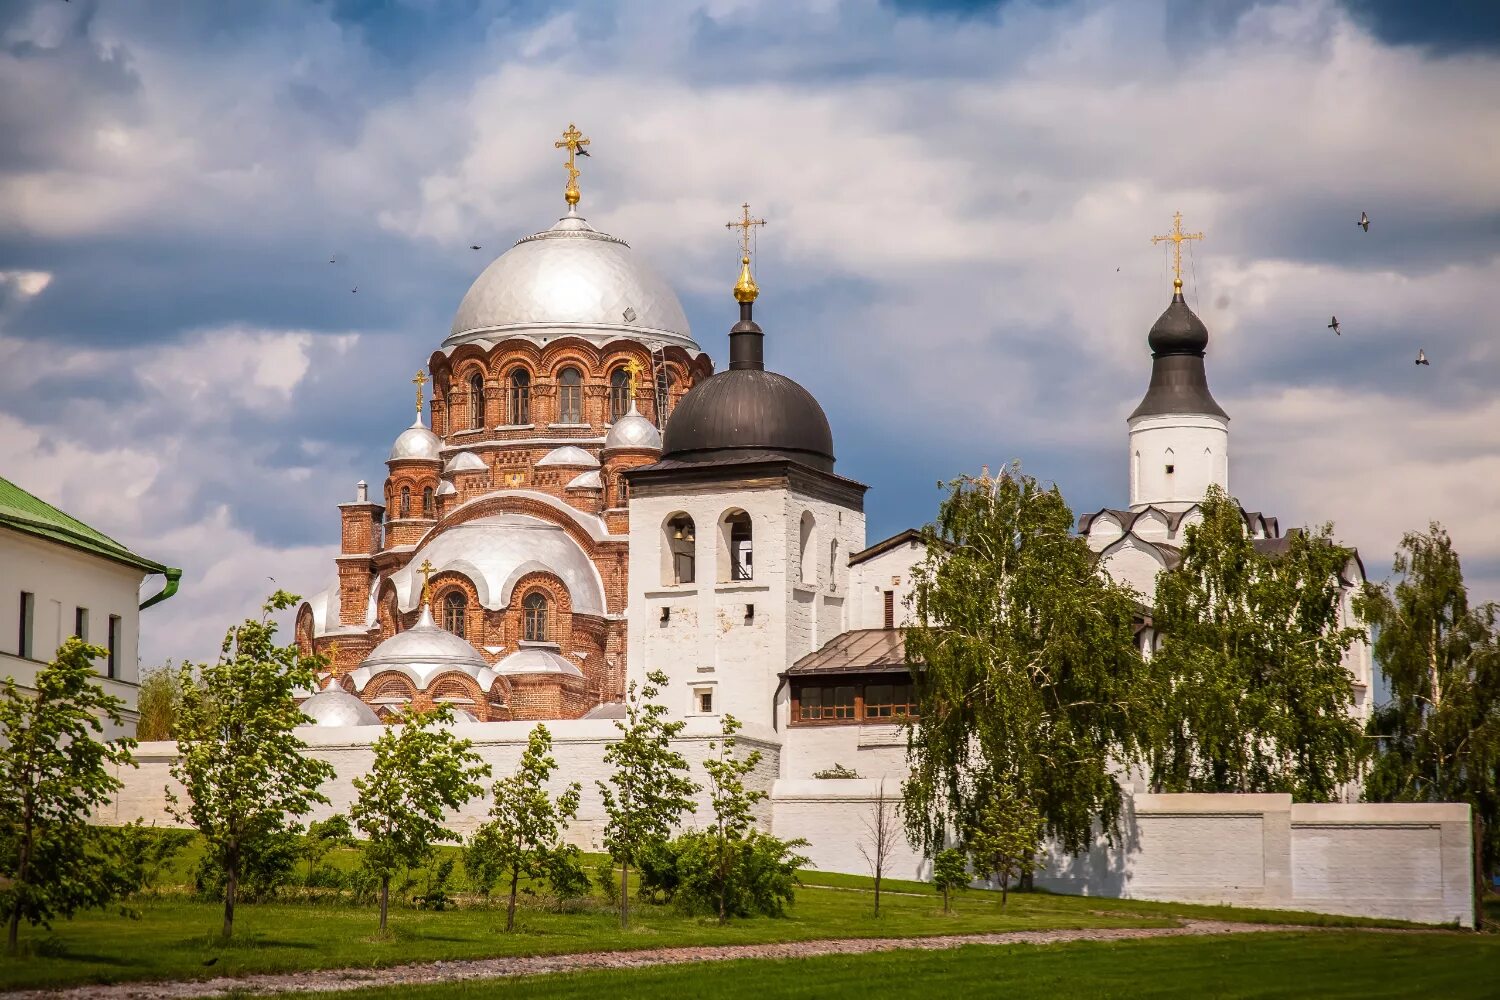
(1177, 236)
(427, 569)
(745, 289)
(745, 224)
(419, 381)
(634, 368)
(572, 140)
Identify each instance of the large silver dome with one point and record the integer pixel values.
(333, 706)
(423, 652)
(570, 280)
(416, 442)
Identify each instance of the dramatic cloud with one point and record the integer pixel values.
(957, 262)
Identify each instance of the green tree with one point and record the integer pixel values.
(1251, 655)
(157, 702)
(648, 790)
(421, 772)
(1031, 676)
(950, 873)
(54, 772)
(526, 824)
(1005, 838)
(1438, 737)
(733, 806)
(246, 774)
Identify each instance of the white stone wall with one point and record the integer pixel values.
(1195, 445)
(578, 746)
(1134, 564)
(877, 751)
(64, 579)
(890, 570)
(709, 639)
(1400, 861)
(836, 817)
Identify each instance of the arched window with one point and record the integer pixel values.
(534, 617)
(519, 404)
(476, 400)
(679, 548)
(453, 612)
(736, 551)
(569, 396)
(619, 393)
(406, 501)
(808, 550)
(428, 510)
(622, 491)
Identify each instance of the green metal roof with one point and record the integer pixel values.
(31, 515)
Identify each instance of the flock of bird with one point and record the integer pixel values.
(1333, 321)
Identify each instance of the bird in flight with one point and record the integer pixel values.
(475, 246)
(1333, 324)
(1364, 222)
(333, 260)
(583, 152)
(1421, 357)
(354, 290)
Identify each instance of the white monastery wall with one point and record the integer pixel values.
(64, 579)
(1134, 565)
(877, 751)
(836, 817)
(1401, 861)
(1196, 446)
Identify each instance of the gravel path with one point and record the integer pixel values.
(335, 980)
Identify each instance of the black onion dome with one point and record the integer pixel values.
(1179, 383)
(746, 412)
(1178, 331)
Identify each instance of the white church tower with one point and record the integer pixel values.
(1179, 437)
(739, 537)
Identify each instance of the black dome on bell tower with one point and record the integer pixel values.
(1179, 382)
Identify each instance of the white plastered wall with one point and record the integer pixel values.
(63, 579)
(1195, 446)
(890, 570)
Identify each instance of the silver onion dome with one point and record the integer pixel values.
(416, 442)
(570, 280)
(465, 461)
(538, 661)
(633, 431)
(568, 456)
(334, 706)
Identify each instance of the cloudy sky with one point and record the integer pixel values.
(958, 262)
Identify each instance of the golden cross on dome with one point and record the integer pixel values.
(634, 368)
(573, 141)
(427, 569)
(745, 290)
(1177, 236)
(419, 381)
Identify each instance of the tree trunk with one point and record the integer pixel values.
(13, 935)
(877, 889)
(385, 899)
(945, 899)
(1004, 889)
(624, 894)
(1027, 882)
(510, 913)
(23, 872)
(231, 886)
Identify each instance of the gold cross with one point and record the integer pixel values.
(745, 290)
(427, 569)
(419, 381)
(572, 141)
(745, 224)
(634, 368)
(1177, 236)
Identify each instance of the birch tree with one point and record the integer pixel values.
(1438, 736)
(247, 775)
(54, 772)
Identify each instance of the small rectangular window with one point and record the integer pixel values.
(1171, 469)
(890, 609)
(28, 614)
(706, 701)
(114, 647)
(81, 623)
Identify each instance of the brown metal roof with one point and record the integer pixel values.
(863, 650)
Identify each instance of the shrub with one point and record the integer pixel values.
(604, 877)
(765, 874)
(657, 867)
(563, 869)
(837, 771)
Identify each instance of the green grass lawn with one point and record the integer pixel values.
(1324, 965)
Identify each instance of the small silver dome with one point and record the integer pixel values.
(633, 431)
(573, 280)
(569, 456)
(446, 488)
(334, 706)
(465, 461)
(423, 652)
(586, 481)
(416, 442)
(533, 660)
